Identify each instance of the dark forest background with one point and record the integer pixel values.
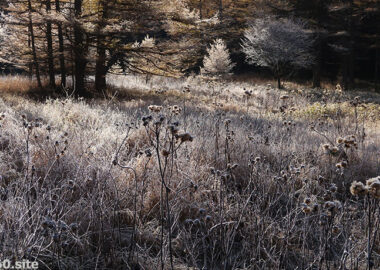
(346, 33)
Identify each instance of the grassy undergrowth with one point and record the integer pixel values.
(191, 176)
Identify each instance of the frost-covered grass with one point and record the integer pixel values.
(243, 181)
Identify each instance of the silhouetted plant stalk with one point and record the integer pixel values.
(162, 168)
(371, 191)
(185, 91)
(216, 136)
(248, 95)
(373, 227)
(369, 232)
(162, 133)
(116, 162)
(229, 135)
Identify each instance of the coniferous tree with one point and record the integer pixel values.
(217, 62)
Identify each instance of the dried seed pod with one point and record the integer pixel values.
(358, 188)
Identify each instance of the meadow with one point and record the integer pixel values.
(160, 173)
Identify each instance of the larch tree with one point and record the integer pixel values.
(20, 46)
(217, 62)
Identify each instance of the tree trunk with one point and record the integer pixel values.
(32, 39)
(79, 53)
(61, 48)
(50, 49)
(377, 55)
(101, 70)
(220, 10)
(344, 83)
(351, 69)
(200, 9)
(351, 56)
(30, 65)
(279, 86)
(317, 65)
(377, 65)
(317, 74)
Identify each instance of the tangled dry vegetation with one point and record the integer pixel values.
(183, 179)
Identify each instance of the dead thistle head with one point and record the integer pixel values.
(358, 188)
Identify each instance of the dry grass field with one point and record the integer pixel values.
(188, 174)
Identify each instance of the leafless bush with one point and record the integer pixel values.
(279, 44)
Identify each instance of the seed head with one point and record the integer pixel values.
(185, 137)
(358, 188)
(338, 88)
(349, 139)
(155, 108)
(333, 188)
(307, 209)
(71, 183)
(197, 222)
(374, 187)
(335, 229)
(334, 150)
(189, 222)
(321, 178)
(202, 211)
(148, 153)
(323, 218)
(165, 153)
(315, 207)
(329, 205)
(307, 201)
(326, 146)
